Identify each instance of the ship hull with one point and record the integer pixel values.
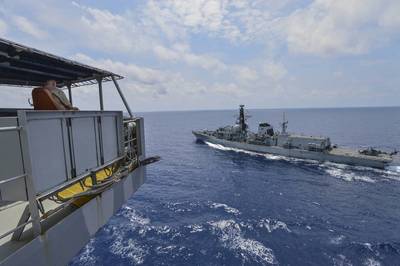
(74, 228)
(336, 155)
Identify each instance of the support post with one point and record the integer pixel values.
(69, 93)
(122, 96)
(99, 80)
(22, 220)
(30, 187)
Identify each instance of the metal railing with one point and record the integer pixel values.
(129, 148)
(35, 220)
(4, 181)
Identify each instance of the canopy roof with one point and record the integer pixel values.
(24, 66)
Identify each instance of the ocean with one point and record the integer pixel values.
(209, 205)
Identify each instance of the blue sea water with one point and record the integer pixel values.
(209, 205)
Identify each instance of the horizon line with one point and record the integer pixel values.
(270, 108)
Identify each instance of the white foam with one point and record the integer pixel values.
(224, 148)
(265, 155)
(272, 225)
(231, 237)
(134, 217)
(348, 175)
(368, 246)
(393, 168)
(180, 207)
(353, 173)
(86, 257)
(341, 260)
(371, 262)
(227, 208)
(341, 171)
(194, 228)
(337, 240)
(140, 223)
(165, 250)
(162, 229)
(129, 249)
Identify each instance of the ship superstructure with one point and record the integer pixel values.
(267, 140)
(63, 174)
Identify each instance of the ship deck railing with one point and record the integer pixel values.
(43, 152)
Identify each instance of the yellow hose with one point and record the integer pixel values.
(85, 185)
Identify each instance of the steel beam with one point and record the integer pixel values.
(69, 93)
(122, 96)
(7, 66)
(100, 81)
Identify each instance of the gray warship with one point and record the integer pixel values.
(268, 141)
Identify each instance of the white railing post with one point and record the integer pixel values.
(33, 207)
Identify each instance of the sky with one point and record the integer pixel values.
(217, 54)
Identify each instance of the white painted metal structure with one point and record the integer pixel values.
(44, 152)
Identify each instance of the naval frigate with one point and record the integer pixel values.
(267, 140)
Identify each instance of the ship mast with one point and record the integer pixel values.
(284, 124)
(242, 119)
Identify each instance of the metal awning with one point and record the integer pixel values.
(24, 66)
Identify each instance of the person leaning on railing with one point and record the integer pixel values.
(49, 97)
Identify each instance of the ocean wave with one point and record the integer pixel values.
(129, 249)
(371, 262)
(393, 168)
(182, 207)
(272, 225)
(231, 237)
(360, 173)
(227, 208)
(140, 224)
(371, 254)
(337, 240)
(134, 217)
(195, 228)
(224, 148)
(341, 260)
(86, 256)
(348, 175)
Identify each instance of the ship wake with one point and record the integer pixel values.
(341, 171)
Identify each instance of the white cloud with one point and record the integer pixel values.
(340, 26)
(235, 20)
(173, 87)
(391, 18)
(275, 71)
(181, 52)
(155, 82)
(245, 73)
(111, 32)
(29, 27)
(3, 27)
(322, 27)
